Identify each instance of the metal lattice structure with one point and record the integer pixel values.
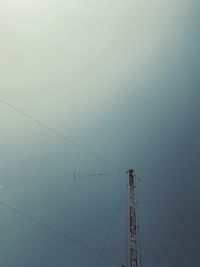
(133, 225)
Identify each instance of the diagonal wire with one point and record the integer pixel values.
(175, 195)
(55, 231)
(111, 228)
(58, 134)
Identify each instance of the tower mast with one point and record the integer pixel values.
(133, 225)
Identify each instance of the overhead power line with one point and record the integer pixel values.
(58, 134)
(57, 232)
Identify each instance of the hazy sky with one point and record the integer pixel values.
(122, 79)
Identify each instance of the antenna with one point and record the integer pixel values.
(133, 226)
(134, 260)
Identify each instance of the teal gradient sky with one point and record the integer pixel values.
(122, 79)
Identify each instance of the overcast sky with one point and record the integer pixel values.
(122, 79)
